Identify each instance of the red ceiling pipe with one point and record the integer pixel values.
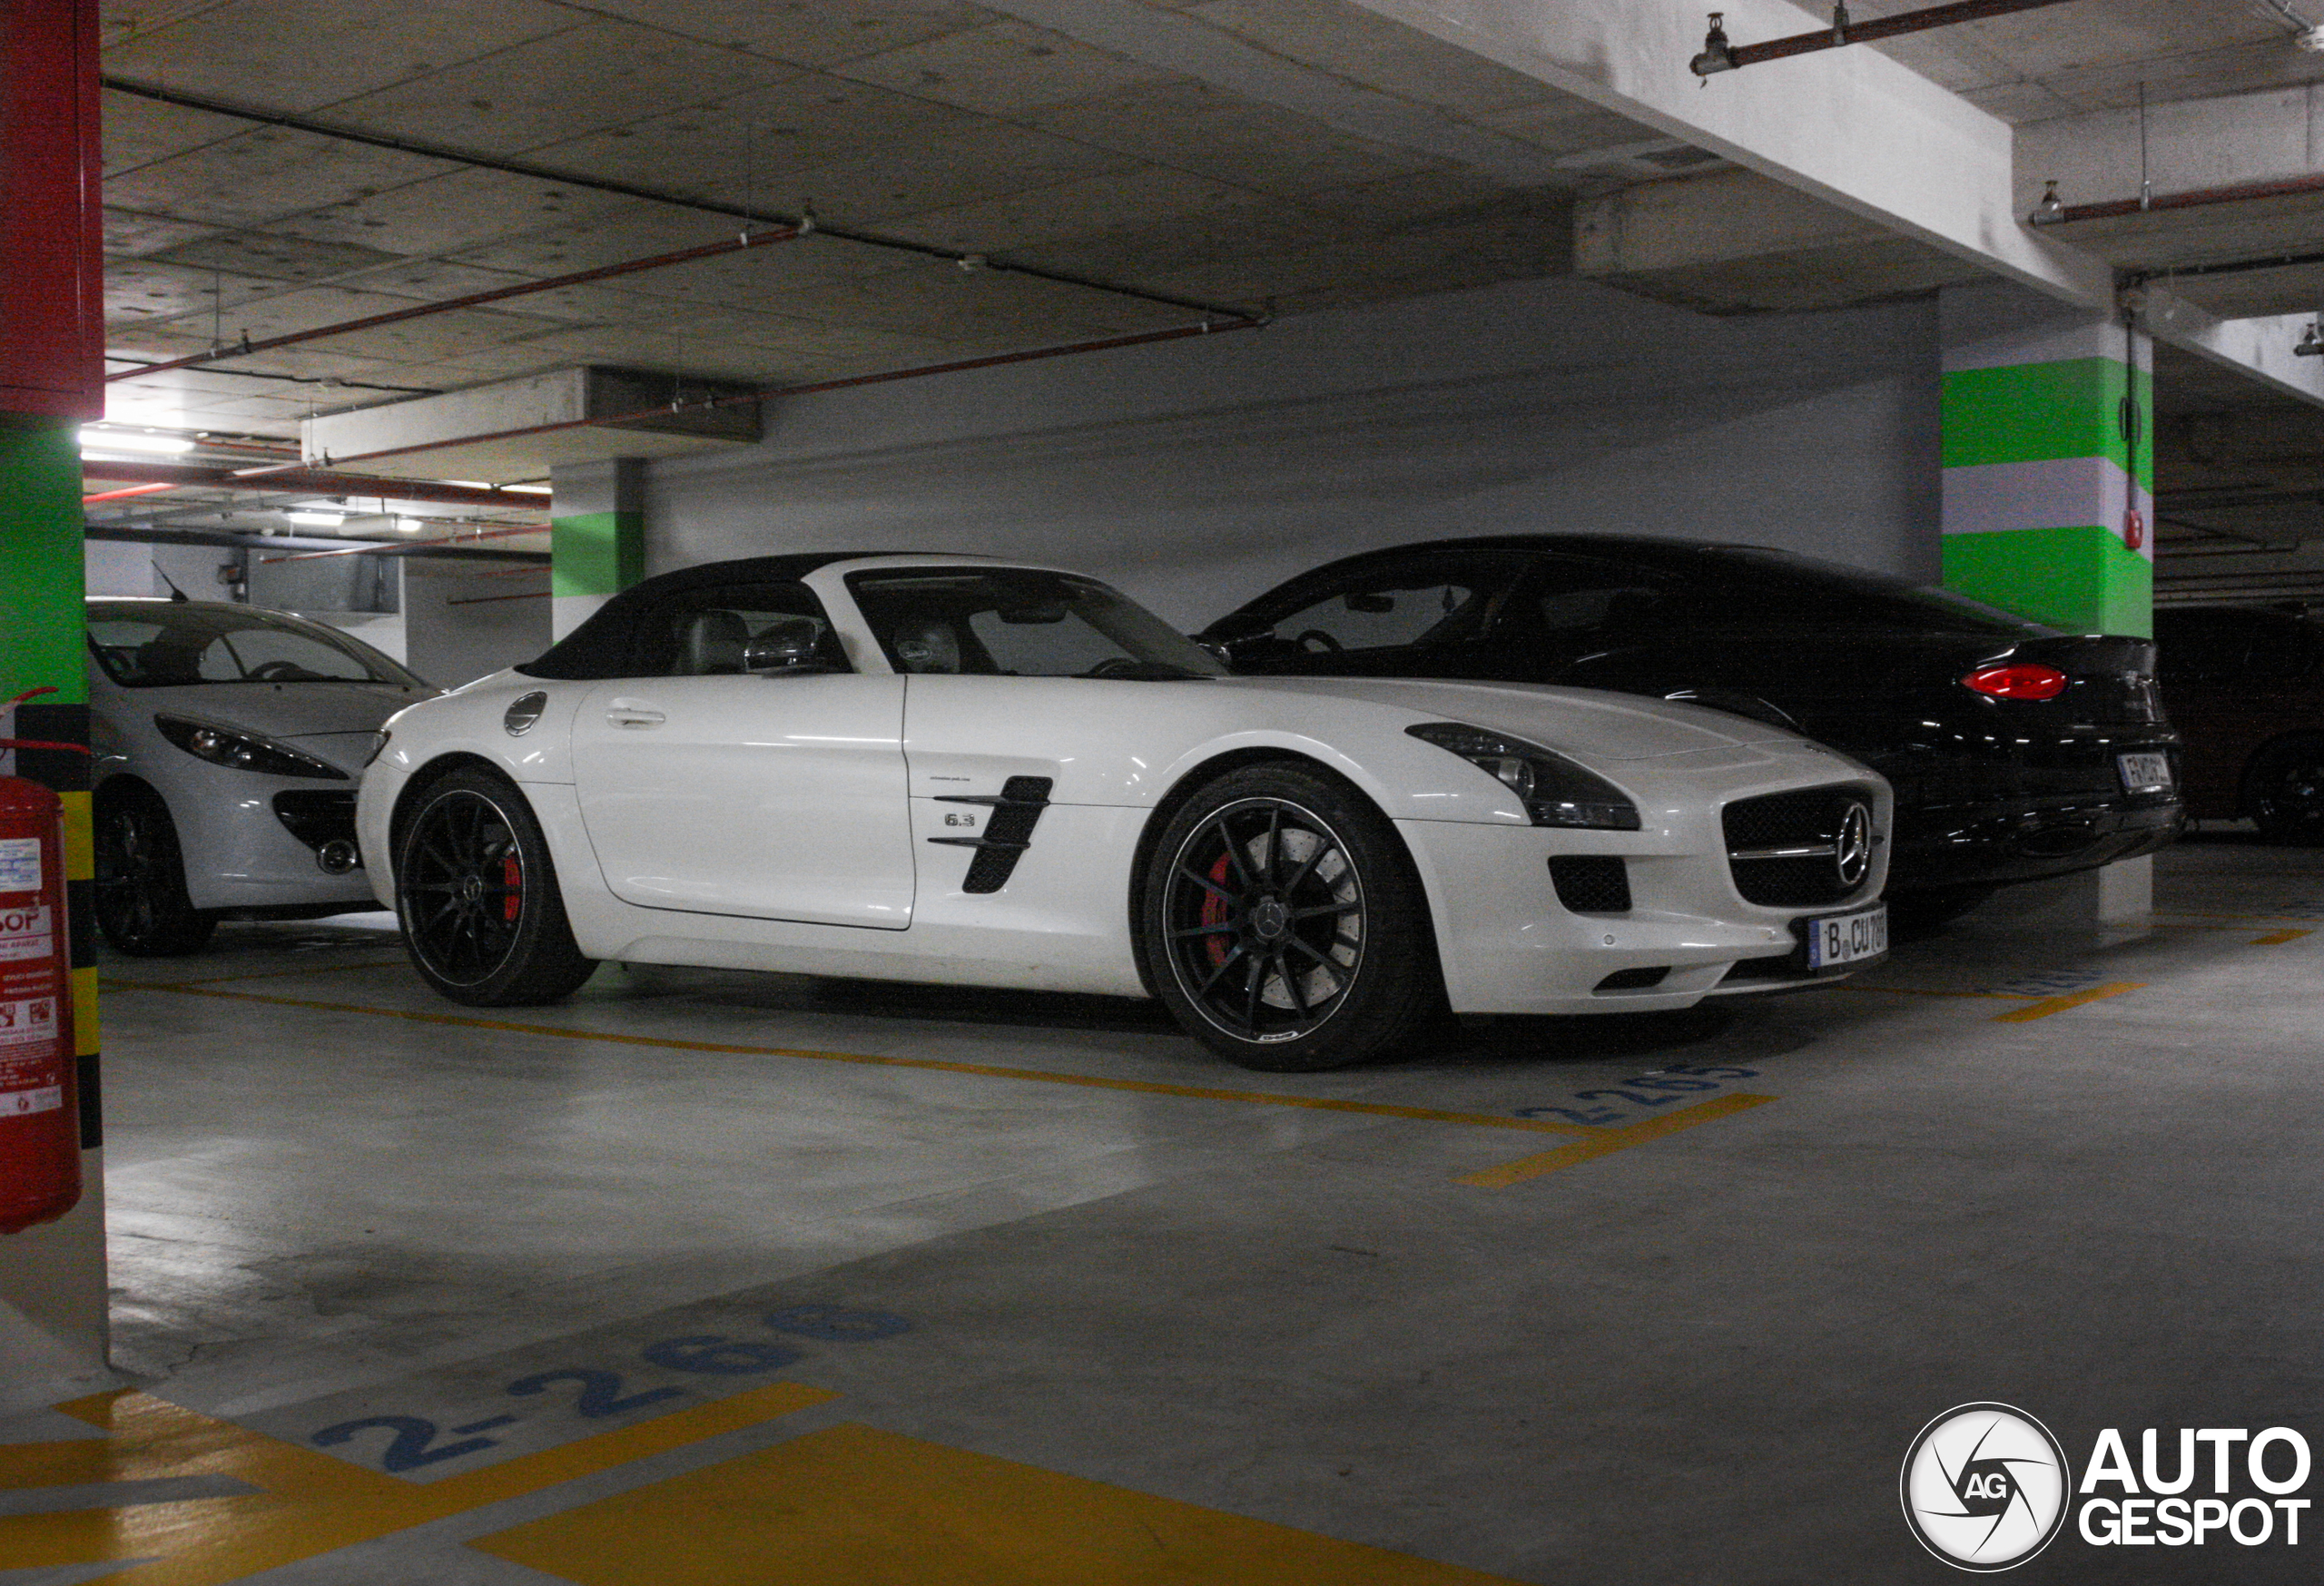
(1718, 55)
(373, 547)
(422, 310)
(124, 494)
(2197, 198)
(1138, 338)
(309, 482)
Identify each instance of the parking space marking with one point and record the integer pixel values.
(2277, 938)
(930, 1065)
(308, 1503)
(1609, 1141)
(2049, 1005)
(112, 983)
(851, 1505)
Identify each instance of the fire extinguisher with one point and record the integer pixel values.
(40, 1115)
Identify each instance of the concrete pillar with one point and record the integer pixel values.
(2048, 494)
(52, 369)
(597, 537)
(2049, 460)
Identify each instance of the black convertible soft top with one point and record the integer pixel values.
(601, 646)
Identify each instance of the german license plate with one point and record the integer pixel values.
(2144, 773)
(1847, 939)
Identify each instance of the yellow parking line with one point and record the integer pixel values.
(930, 1065)
(2049, 1005)
(2277, 938)
(310, 1502)
(1612, 1140)
(2207, 914)
(114, 983)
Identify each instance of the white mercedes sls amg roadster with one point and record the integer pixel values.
(952, 769)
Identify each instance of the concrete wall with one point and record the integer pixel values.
(463, 623)
(1197, 473)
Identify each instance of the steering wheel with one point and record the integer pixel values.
(1326, 645)
(281, 671)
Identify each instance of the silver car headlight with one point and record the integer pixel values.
(1554, 790)
(242, 750)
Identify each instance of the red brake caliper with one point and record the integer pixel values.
(1213, 913)
(512, 877)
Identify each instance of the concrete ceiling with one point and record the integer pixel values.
(1258, 155)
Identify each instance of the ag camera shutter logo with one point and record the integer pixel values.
(1984, 1487)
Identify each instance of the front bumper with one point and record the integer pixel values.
(1509, 946)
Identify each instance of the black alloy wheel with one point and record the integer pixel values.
(477, 895)
(1284, 926)
(141, 906)
(2284, 790)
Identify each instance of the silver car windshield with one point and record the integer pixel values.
(165, 645)
(1020, 623)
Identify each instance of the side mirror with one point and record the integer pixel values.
(794, 643)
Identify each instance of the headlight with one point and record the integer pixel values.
(242, 750)
(1555, 790)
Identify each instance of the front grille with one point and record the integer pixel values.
(1759, 831)
(1591, 884)
(316, 818)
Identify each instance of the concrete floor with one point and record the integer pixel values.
(1647, 1354)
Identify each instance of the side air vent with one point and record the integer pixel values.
(1638, 980)
(1007, 834)
(1591, 883)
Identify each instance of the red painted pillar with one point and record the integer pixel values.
(52, 241)
(52, 378)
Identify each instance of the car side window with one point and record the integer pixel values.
(1568, 600)
(706, 633)
(1422, 602)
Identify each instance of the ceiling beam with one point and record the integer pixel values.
(1850, 127)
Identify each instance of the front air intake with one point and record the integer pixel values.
(1591, 883)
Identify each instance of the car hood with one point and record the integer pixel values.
(280, 710)
(1586, 722)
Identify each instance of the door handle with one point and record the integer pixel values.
(629, 712)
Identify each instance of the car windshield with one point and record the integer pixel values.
(169, 644)
(1020, 623)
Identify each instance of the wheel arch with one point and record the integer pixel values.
(1190, 782)
(415, 787)
(2247, 779)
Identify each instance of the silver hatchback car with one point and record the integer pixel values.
(229, 741)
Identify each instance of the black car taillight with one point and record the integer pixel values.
(2024, 680)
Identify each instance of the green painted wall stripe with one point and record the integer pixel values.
(41, 573)
(2083, 579)
(2039, 412)
(596, 552)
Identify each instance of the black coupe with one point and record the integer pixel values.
(2017, 752)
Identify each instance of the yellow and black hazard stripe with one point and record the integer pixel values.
(66, 775)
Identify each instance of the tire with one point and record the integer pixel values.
(477, 896)
(2283, 788)
(1916, 914)
(141, 906)
(1296, 876)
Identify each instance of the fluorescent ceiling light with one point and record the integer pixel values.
(409, 525)
(133, 440)
(530, 489)
(317, 519)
